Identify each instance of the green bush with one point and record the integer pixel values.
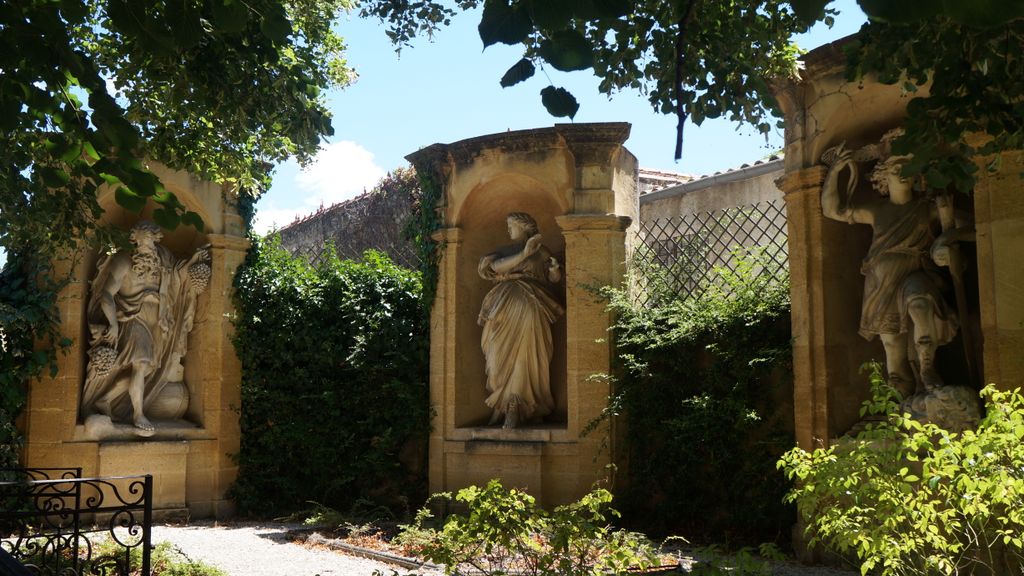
(335, 405)
(504, 531)
(29, 341)
(911, 498)
(704, 385)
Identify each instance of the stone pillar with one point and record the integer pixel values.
(999, 220)
(443, 353)
(594, 256)
(802, 191)
(826, 289)
(213, 470)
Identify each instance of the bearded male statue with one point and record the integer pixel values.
(140, 311)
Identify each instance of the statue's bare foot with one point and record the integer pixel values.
(511, 417)
(143, 427)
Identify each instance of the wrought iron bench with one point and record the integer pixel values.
(53, 521)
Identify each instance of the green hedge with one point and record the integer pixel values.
(705, 388)
(29, 341)
(335, 406)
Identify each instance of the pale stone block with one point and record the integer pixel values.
(166, 461)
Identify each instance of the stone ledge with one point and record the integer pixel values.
(525, 434)
(165, 431)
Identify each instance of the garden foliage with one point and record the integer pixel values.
(503, 531)
(335, 403)
(29, 342)
(912, 498)
(704, 388)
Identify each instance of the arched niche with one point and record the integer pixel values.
(483, 223)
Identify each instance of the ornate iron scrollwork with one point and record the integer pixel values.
(56, 523)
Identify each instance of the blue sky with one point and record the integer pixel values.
(446, 89)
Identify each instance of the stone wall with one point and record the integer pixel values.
(374, 219)
(377, 219)
(748, 184)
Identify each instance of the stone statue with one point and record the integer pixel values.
(904, 289)
(516, 316)
(140, 311)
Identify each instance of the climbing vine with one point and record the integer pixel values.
(424, 222)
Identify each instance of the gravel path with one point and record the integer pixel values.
(245, 549)
(266, 549)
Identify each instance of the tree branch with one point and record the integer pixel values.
(684, 22)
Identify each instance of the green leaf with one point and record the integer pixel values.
(505, 23)
(146, 183)
(110, 178)
(275, 25)
(567, 50)
(984, 13)
(900, 12)
(166, 218)
(129, 200)
(53, 177)
(610, 8)
(517, 73)
(810, 10)
(230, 16)
(193, 219)
(186, 28)
(74, 10)
(559, 102)
(551, 16)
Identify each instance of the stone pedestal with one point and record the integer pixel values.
(189, 458)
(579, 183)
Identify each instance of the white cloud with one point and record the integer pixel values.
(268, 219)
(340, 171)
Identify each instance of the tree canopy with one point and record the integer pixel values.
(701, 59)
(228, 88)
(89, 88)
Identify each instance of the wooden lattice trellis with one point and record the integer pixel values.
(677, 257)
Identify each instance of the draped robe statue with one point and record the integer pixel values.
(516, 317)
(140, 311)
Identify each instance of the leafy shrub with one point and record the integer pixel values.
(335, 404)
(504, 531)
(911, 498)
(704, 386)
(29, 341)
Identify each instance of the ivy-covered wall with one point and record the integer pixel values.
(334, 383)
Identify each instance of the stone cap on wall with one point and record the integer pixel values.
(463, 151)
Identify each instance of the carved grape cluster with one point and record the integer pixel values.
(102, 359)
(199, 276)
